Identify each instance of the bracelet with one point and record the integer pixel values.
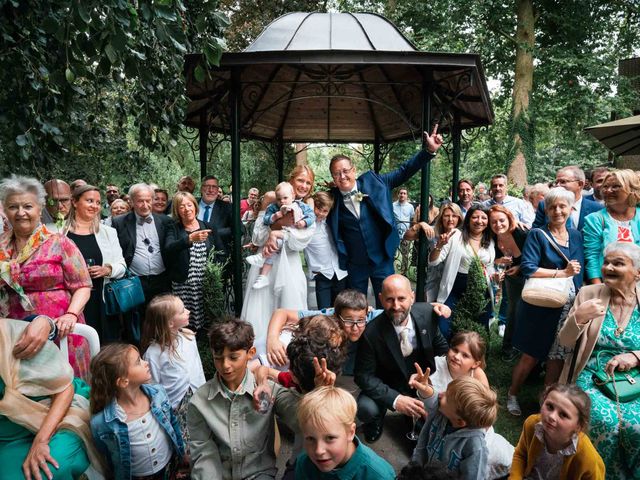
(53, 328)
(555, 274)
(72, 313)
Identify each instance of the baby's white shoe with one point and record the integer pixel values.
(261, 282)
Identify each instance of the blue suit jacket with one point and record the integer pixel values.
(376, 211)
(587, 207)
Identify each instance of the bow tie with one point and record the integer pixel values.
(142, 221)
(349, 194)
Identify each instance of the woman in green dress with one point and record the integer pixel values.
(608, 316)
(44, 413)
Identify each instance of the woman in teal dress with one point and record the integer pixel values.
(608, 316)
(44, 417)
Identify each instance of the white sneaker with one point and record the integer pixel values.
(513, 406)
(501, 330)
(261, 282)
(256, 259)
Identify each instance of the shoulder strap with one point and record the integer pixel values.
(554, 245)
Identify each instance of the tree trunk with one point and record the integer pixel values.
(522, 87)
(301, 154)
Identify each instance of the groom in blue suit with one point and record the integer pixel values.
(362, 221)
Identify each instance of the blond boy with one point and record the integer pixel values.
(326, 417)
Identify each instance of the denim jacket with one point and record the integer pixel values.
(463, 450)
(111, 435)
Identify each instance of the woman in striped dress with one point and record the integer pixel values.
(188, 256)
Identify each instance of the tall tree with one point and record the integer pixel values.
(77, 73)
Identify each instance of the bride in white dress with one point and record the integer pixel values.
(288, 285)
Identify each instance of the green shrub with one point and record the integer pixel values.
(472, 303)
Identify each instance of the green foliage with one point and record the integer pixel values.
(213, 288)
(472, 303)
(77, 73)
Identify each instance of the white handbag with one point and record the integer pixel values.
(548, 292)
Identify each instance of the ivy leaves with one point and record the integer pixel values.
(70, 62)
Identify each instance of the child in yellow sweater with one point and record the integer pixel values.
(553, 443)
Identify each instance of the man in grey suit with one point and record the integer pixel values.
(405, 334)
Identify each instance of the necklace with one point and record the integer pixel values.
(624, 311)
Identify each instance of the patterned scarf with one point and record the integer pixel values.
(10, 267)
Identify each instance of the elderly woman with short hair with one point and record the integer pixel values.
(619, 221)
(188, 255)
(536, 327)
(606, 319)
(41, 273)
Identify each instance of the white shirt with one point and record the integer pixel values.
(176, 371)
(150, 445)
(352, 205)
(575, 213)
(145, 262)
(517, 206)
(321, 254)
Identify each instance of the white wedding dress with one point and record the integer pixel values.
(287, 283)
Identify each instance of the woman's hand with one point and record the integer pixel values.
(32, 339)
(428, 230)
(37, 459)
(622, 362)
(271, 246)
(199, 235)
(513, 271)
(99, 271)
(573, 268)
(276, 353)
(65, 324)
(588, 310)
(443, 240)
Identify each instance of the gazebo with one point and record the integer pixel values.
(339, 78)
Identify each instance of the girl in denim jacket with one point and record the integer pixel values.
(132, 422)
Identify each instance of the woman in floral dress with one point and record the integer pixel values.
(41, 273)
(608, 317)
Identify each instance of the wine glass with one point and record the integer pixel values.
(412, 435)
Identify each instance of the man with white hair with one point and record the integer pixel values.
(143, 236)
(570, 178)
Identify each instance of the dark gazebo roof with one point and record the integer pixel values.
(338, 77)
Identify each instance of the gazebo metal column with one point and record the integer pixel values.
(424, 193)
(234, 106)
(204, 138)
(456, 134)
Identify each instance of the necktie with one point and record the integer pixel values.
(144, 220)
(405, 345)
(205, 217)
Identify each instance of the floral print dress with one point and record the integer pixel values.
(620, 450)
(49, 277)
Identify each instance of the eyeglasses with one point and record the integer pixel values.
(210, 187)
(611, 188)
(342, 173)
(562, 181)
(350, 322)
(147, 242)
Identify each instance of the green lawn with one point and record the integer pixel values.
(499, 373)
